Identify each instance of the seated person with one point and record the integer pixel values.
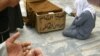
(84, 22)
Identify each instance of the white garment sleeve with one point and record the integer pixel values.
(3, 50)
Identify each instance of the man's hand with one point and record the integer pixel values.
(16, 49)
(21, 49)
(13, 3)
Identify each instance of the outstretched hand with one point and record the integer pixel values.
(16, 49)
(21, 49)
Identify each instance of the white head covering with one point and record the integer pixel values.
(83, 5)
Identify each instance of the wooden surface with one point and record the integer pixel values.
(44, 6)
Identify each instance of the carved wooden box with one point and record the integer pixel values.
(50, 22)
(46, 16)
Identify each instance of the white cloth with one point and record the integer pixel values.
(68, 10)
(83, 5)
(3, 50)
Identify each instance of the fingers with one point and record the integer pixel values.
(38, 52)
(13, 37)
(25, 44)
(35, 52)
(31, 53)
(26, 52)
(26, 48)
